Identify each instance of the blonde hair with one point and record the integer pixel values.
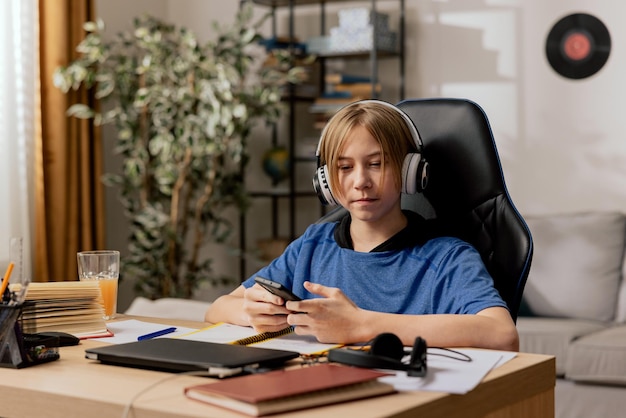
(385, 124)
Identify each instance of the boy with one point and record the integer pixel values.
(378, 269)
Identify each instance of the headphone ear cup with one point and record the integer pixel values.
(386, 352)
(414, 173)
(321, 184)
(387, 345)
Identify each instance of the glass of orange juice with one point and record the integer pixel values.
(104, 266)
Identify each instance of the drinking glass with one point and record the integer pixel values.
(104, 266)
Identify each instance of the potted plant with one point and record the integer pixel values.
(183, 113)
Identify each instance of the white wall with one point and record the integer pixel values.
(574, 131)
(562, 142)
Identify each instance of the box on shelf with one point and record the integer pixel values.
(342, 40)
(355, 33)
(361, 17)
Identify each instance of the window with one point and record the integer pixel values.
(19, 74)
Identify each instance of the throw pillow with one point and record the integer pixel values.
(577, 263)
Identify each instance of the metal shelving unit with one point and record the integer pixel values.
(373, 55)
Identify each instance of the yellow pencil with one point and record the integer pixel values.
(5, 280)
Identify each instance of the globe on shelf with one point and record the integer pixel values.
(276, 164)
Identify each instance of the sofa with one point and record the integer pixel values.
(574, 308)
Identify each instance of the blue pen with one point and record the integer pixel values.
(156, 334)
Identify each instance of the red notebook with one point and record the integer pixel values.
(290, 389)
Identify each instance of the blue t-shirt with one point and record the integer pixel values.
(445, 275)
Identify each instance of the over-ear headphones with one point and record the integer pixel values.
(414, 168)
(385, 352)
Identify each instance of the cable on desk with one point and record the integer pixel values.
(158, 382)
(456, 355)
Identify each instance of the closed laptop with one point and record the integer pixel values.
(177, 355)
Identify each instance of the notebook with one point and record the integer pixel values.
(291, 389)
(285, 339)
(176, 355)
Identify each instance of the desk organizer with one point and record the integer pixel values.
(17, 350)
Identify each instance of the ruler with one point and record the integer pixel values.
(16, 254)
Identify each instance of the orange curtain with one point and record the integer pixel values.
(69, 212)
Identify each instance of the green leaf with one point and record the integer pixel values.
(80, 111)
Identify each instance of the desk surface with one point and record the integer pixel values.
(76, 387)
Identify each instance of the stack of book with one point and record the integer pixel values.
(340, 90)
(74, 307)
(328, 103)
(364, 90)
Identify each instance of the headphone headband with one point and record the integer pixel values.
(415, 168)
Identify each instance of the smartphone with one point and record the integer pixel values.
(276, 288)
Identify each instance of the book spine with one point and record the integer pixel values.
(356, 89)
(345, 78)
(262, 337)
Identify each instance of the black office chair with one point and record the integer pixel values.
(466, 193)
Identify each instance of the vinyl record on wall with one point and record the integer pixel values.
(578, 46)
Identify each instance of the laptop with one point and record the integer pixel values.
(177, 355)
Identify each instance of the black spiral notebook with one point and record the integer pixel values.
(177, 355)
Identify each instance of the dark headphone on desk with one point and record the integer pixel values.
(414, 167)
(385, 352)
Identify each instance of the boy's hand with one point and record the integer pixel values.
(333, 318)
(266, 312)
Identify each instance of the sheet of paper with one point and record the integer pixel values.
(129, 330)
(449, 375)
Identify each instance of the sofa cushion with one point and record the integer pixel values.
(552, 336)
(599, 357)
(577, 265)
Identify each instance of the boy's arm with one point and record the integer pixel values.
(228, 308)
(334, 318)
(490, 328)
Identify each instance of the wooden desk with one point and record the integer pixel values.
(76, 387)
